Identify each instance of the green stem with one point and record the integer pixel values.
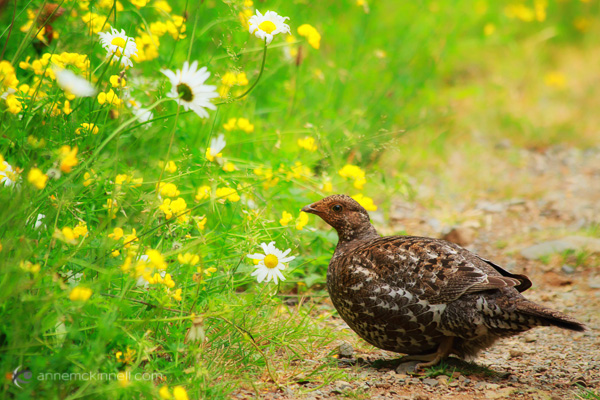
(168, 151)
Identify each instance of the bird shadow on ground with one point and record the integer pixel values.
(446, 367)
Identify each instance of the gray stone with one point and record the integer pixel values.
(594, 283)
(341, 387)
(345, 350)
(431, 382)
(567, 269)
(577, 243)
(480, 385)
(490, 207)
(407, 367)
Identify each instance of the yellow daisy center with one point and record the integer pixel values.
(267, 26)
(119, 41)
(271, 261)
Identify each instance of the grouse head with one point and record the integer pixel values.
(345, 215)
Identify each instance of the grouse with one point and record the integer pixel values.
(420, 296)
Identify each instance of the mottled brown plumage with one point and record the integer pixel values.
(425, 297)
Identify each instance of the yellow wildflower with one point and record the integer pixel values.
(147, 47)
(327, 187)
(164, 394)
(37, 178)
(13, 104)
(229, 167)
(28, 266)
(227, 193)
(177, 296)
(202, 193)
(556, 80)
(244, 17)
(168, 189)
(8, 77)
(170, 207)
(80, 294)
(139, 3)
(112, 207)
(200, 222)
(117, 81)
(35, 142)
(87, 179)
(109, 98)
(286, 217)
(80, 230)
(307, 143)
(489, 29)
(130, 239)
(107, 4)
(365, 201)
(168, 281)
(355, 172)
(299, 171)
(87, 128)
(229, 79)
(117, 234)
(156, 259)
(188, 258)
(67, 107)
(95, 22)
(245, 125)
(170, 166)
(127, 357)
(230, 125)
(68, 158)
(311, 34)
(163, 5)
(242, 79)
(302, 220)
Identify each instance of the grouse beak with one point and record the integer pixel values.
(310, 209)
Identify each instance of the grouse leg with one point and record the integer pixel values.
(443, 351)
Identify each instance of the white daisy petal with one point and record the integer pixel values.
(285, 253)
(188, 88)
(256, 256)
(278, 272)
(73, 84)
(262, 274)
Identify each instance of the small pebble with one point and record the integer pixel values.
(431, 382)
(407, 367)
(567, 269)
(515, 353)
(529, 338)
(345, 350)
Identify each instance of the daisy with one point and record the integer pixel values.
(119, 45)
(216, 146)
(73, 84)
(143, 115)
(188, 88)
(270, 264)
(266, 26)
(38, 221)
(8, 176)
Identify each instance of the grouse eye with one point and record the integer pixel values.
(337, 207)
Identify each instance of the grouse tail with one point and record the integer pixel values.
(548, 317)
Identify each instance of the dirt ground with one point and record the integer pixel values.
(544, 363)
